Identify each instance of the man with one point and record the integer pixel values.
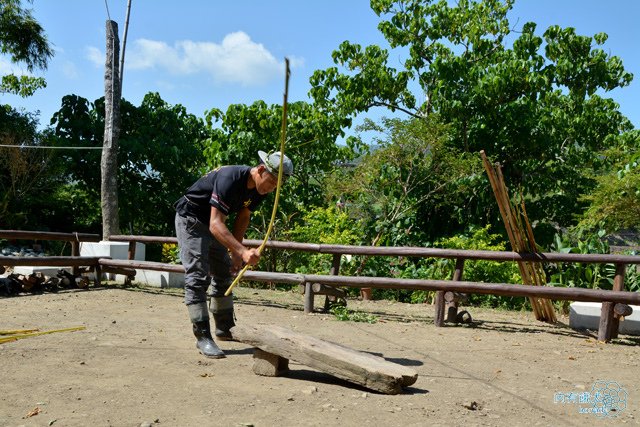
(209, 249)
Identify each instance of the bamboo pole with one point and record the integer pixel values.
(280, 175)
(521, 237)
(497, 184)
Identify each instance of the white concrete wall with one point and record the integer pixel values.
(159, 279)
(115, 250)
(586, 315)
(120, 250)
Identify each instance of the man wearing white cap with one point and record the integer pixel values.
(209, 249)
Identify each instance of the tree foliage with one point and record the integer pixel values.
(324, 225)
(615, 202)
(160, 155)
(238, 134)
(532, 102)
(24, 40)
(26, 172)
(412, 187)
(23, 169)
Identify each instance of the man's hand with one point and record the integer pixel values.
(248, 256)
(251, 256)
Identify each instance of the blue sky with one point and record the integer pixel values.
(213, 53)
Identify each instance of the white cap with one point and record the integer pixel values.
(272, 163)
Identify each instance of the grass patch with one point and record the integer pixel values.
(343, 314)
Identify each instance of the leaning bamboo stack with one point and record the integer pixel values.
(521, 237)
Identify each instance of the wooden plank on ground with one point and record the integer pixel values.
(361, 368)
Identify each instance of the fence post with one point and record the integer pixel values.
(452, 306)
(335, 265)
(75, 251)
(97, 271)
(131, 254)
(335, 270)
(609, 323)
(308, 297)
(439, 307)
(132, 249)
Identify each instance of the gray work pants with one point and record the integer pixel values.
(203, 258)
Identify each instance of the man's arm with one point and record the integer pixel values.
(241, 224)
(219, 230)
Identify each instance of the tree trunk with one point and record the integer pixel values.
(109, 163)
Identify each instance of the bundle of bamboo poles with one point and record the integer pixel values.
(521, 237)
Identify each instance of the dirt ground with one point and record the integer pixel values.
(136, 364)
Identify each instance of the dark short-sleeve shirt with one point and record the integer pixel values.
(224, 188)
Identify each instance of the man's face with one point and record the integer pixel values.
(267, 182)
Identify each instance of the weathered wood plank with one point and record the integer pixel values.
(365, 369)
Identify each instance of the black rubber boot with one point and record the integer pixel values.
(205, 342)
(222, 310)
(224, 322)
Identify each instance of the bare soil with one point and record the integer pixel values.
(136, 364)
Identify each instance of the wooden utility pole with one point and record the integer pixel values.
(109, 163)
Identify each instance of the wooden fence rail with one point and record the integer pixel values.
(412, 251)
(610, 299)
(53, 261)
(609, 320)
(46, 235)
(74, 238)
(573, 294)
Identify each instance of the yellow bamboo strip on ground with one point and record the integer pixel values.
(19, 336)
(17, 331)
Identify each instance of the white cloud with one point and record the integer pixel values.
(8, 67)
(295, 61)
(70, 70)
(95, 56)
(237, 59)
(163, 84)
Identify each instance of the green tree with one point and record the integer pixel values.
(23, 170)
(26, 173)
(615, 202)
(24, 40)
(534, 105)
(160, 155)
(323, 225)
(238, 134)
(411, 187)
